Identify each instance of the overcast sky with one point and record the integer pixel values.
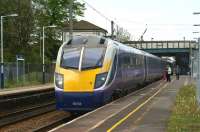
(165, 19)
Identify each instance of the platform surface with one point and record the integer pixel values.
(10, 91)
(146, 110)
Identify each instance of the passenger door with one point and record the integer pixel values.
(124, 59)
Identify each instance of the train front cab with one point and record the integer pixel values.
(81, 76)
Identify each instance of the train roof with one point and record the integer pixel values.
(151, 55)
(137, 51)
(87, 41)
(92, 40)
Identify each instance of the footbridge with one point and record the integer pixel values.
(184, 51)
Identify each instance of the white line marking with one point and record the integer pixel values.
(81, 59)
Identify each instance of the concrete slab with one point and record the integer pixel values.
(21, 90)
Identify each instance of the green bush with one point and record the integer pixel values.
(33, 78)
(186, 113)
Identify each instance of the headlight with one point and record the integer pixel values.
(59, 80)
(100, 79)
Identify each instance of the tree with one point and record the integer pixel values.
(122, 35)
(22, 35)
(16, 30)
(54, 12)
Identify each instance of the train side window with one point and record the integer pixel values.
(113, 70)
(137, 60)
(126, 61)
(129, 60)
(133, 60)
(142, 60)
(120, 60)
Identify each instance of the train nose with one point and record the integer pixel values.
(79, 101)
(80, 81)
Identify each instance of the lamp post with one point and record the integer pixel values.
(198, 75)
(198, 69)
(71, 19)
(43, 60)
(2, 61)
(192, 58)
(196, 13)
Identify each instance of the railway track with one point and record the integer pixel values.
(26, 107)
(32, 115)
(16, 116)
(10, 101)
(56, 123)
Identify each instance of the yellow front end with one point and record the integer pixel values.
(81, 81)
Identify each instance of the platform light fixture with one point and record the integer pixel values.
(198, 69)
(2, 58)
(12, 15)
(196, 25)
(196, 13)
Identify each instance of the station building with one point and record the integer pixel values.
(83, 27)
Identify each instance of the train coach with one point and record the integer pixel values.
(90, 70)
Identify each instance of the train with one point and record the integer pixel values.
(91, 70)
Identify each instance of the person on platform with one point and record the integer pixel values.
(169, 72)
(177, 72)
(165, 74)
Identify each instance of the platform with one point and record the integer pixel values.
(145, 110)
(15, 99)
(26, 89)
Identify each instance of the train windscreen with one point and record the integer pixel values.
(92, 57)
(71, 58)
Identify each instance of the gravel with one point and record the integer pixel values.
(35, 122)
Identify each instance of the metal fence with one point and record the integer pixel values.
(23, 74)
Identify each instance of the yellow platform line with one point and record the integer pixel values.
(135, 110)
(112, 115)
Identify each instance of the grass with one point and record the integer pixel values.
(33, 78)
(186, 112)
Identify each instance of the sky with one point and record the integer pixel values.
(164, 19)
